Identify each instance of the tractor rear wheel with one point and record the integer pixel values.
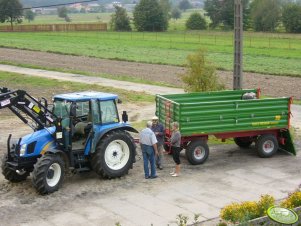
(267, 145)
(10, 174)
(48, 173)
(243, 142)
(114, 155)
(197, 152)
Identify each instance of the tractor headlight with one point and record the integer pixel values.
(23, 149)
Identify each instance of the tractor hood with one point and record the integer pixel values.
(37, 142)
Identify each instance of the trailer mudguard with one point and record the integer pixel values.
(289, 144)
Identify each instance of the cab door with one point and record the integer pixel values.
(96, 121)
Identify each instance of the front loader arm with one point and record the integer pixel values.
(26, 108)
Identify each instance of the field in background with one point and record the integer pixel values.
(278, 54)
(102, 17)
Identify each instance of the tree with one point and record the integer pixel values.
(62, 12)
(201, 74)
(11, 11)
(29, 15)
(221, 12)
(291, 18)
(166, 7)
(184, 5)
(196, 22)
(120, 20)
(149, 16)
(176, 13)
(265, 14)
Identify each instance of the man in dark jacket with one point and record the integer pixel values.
(158, 129)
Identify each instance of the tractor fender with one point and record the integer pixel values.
(60, 153)
(100, 134)
(119, 127)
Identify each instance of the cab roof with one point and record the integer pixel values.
(85, 96)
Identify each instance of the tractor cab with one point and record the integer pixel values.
(82, 114)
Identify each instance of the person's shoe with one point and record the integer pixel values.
(147, 177)
(175, 175)
(173, 172)
(160, 168)
(153, 177)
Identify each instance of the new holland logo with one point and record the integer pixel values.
(282, 215)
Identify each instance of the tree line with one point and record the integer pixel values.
(154, 15)
(258, 15)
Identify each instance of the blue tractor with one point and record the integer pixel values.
(82, 131)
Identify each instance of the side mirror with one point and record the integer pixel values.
(119, 101)
(125, 117)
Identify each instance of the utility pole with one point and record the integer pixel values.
(238, 45)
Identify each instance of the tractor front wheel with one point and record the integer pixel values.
(115, 154)
(10, 174)
(48, 173)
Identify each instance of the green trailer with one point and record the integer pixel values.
(238, 114)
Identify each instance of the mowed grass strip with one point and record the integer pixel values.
(263, 53)
(43, 87)
(126, 78)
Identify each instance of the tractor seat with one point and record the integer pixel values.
(83, 127)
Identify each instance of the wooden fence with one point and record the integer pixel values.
(55, 27)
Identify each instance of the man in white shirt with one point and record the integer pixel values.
(148, 143)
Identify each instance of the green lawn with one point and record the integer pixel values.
(264, 53)
(44, 87)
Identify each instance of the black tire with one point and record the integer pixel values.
(114, 146)
(243, 142)
(48, 173)
(10, 174)
(264, 141)
(197, 152)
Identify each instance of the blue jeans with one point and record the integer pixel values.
(148, 153)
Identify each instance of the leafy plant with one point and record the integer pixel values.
(201, 74)
(149, 16)
(245, 211)
(182, 220)
(196, 217)
(264, 203)
(11, 11)
(120, 20)
(293, 200)
(196, 22)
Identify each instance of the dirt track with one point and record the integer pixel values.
(270, 85)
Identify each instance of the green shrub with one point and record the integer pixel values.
(293, 200)
(200, 75)
(120, 20)
(245, 211)
(265, 202)
(196, 22)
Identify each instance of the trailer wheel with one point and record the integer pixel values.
(197, 152)
(115, 154)
(267, 145)
(48, 173)
(243, 142)
(10, 174)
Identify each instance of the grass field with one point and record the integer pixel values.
(48, 87)
(278, 54)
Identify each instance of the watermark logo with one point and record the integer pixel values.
(282, 215)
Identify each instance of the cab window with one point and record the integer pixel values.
(108, 111)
